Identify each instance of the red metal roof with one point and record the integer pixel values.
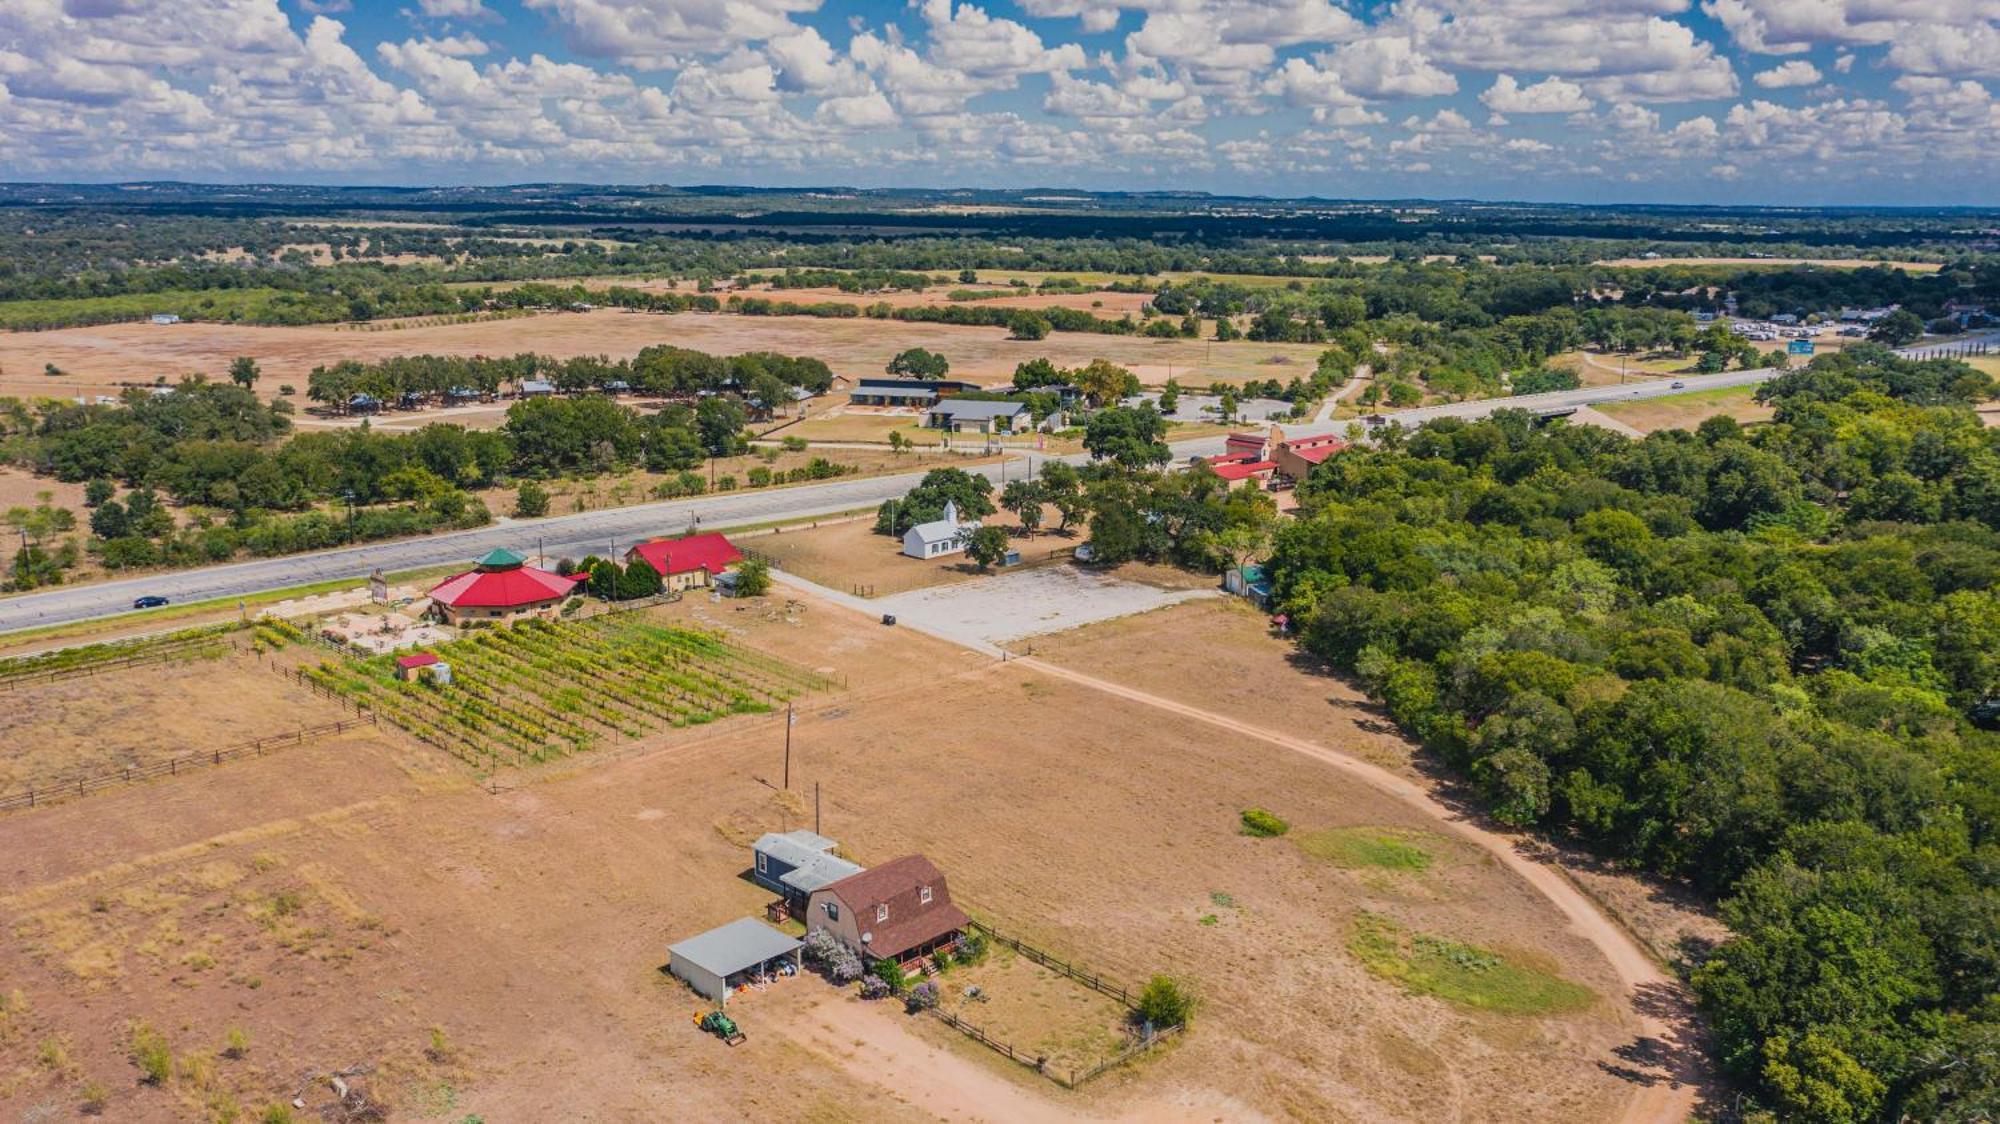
(1315, 448)
(421, 659)
(1243, 470)
(712, 552)
(501, 589)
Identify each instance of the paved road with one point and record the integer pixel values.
(1584, 396)
(589, 532)
(598, 532)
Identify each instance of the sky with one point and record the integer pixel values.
(1801, 102)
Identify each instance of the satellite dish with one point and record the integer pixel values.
(867, 938)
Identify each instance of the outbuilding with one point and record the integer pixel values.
(795, 863)
(728, 956)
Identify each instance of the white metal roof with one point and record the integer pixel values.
(809, 857)
(727, 949)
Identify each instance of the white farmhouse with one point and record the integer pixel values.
(940, 536)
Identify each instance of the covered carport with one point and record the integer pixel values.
(725, 957)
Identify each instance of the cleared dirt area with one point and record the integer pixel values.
(364, 907)
(140, 715)
(1221, 652)
(1686, 411)
(98, 360)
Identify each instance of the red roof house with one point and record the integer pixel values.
(688, 562)
(896, 911)
(1297, 456)
(1249, 446)
(501, 587)
(1236, 471)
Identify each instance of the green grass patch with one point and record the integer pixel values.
(1258, 822)
(188, 304)
(1464, 974)
(1356, 847)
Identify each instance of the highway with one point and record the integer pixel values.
(602, 532)
(556, 536)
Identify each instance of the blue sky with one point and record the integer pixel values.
(1772, 101)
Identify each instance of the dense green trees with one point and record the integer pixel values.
(1750, 660)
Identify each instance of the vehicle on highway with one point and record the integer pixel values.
(151, 601)
(1677, 385)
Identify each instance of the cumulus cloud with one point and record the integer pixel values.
(1303, 88)
(1551, 95)
(1797, 72)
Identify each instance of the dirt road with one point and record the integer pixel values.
(870, 1041)
(1657, 1102)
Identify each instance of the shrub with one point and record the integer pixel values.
(1165, 1002)
(753, 577)
(795, 444)
(531, 501)
(150, 1053)
(236, 1042)
(94, 1097)
(1258, 822)
(891, 973)
(971, 948)
(759, 476)
(922, 997)
(873, 987)
(841, 964)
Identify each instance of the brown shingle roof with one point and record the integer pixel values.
(899, 884)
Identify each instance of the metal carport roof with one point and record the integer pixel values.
(728, 949)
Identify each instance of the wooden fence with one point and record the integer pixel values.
(153, 654)
(69, 788)
(1091, 980)
(1039, 1063)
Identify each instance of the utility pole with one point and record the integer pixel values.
(790, 718)
(816, 830)
(541, 559)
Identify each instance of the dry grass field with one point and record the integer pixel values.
(141, 715)
(97, 360)
(1685, 411)
(363, 907)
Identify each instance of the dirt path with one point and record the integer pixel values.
(1362, 374)
(870, 1041)
(1657, 1101)
(1586, 416)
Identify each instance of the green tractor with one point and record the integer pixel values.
(722, 1026)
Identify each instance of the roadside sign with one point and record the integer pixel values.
(1799, 347)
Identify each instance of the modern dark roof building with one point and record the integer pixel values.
(906, 392)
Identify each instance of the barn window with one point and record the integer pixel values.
(924, 895)
(881, 913)
(832, 911)
(762, 868)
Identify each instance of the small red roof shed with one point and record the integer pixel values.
(420, 659)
